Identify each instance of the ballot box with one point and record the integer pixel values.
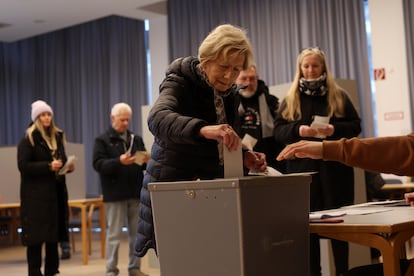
(245, 226)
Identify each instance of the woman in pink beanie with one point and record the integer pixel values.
(43, 192)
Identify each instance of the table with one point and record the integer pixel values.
(83, 204)
(398, 186)
(398, 190)
(387, 231)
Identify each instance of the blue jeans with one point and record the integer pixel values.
(117, 213)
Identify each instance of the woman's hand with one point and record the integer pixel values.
(255, 161)
(327, 131)
(307, 131)
(302, 149)
(55, 165)
(222, 133)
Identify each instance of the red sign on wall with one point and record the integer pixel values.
(379, 74)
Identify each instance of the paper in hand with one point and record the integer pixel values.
(141, 157)
(69, 162)
(249, 141)
(233, 162)
(320, 122)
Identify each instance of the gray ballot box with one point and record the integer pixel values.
(248, 226)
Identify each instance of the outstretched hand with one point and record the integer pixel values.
(302, 149)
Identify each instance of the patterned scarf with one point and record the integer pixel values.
(221, 116)
(316, 87)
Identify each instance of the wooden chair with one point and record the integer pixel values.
(75, 222)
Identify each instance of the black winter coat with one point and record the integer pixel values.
(43, 194)
(119, 182)
(333, 186)
(267, 145)
(184, 106)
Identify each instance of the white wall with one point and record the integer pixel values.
(10, 182)
(388, 52)
(158, 44)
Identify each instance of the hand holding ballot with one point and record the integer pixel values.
(322, 127)
(139, 158)
(69, 165)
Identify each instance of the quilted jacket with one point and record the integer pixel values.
(184, 106)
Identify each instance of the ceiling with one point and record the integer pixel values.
(21, 19)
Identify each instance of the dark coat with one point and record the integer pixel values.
(43, 194)
(184, 106)
(333, 186)
(119, 182)
(267, 145)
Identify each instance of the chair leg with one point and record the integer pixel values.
(89, 227)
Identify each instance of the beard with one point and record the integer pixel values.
(246, 93)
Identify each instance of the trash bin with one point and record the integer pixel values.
(248, 226)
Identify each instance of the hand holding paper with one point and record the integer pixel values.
(320, 122)
(249, 142)
(141, 157)
(69, 165)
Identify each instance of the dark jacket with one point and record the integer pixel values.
(333, 186)
(267, 145)
(119, 182)
(185, 104)
(43, 195)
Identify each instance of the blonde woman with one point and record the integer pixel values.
(314, 95)
(43, 192)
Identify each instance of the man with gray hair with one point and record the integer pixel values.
(117, 158)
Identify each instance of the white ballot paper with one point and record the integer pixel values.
(128, 152)
(319, 122)
(140, 157)
(249, 141)
(268, 172)
(71, 160)
(233, 162)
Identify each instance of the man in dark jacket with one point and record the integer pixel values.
(115, 159)
(257, 111)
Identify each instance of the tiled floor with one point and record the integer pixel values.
(13, 261)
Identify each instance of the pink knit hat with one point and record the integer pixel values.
(38, 107)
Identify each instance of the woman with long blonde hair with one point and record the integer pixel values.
(315, 96)
(43, 192)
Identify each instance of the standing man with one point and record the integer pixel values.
(257, 111)
(121, 172)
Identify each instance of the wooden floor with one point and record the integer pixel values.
(13, 260)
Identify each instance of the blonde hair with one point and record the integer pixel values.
(223, 41)
(49, 135)
(335, 92)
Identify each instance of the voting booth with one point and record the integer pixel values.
(245, 226)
